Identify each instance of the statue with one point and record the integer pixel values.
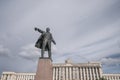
(44, 41)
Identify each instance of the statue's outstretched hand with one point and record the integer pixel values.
(55, 43)
(36, 29)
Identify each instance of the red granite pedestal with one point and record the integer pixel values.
(44, 69)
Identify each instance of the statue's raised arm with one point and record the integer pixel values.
(39, 30)
(44, 42)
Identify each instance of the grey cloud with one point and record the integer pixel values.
(105, 47)
(107, 16)
(111, 64)
(110, 61)
(75, 57)
(111, 69)
(82, 29)
(117, 55)
(102, 41)
(4, 52)
(29, 52)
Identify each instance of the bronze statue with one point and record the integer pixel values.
(44, 41)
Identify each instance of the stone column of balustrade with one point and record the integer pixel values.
(63, 73)
(70, 73)
(81, 77)
(56, 73)
(73, 72)
(59, 70)
(90, 73)
(97, 72)
(77, 71)
(87, 76)
(100, 71)
(2, 77)
(94, 73)
(53, 73)
(84, 73)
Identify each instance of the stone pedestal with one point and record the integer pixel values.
(44, 69)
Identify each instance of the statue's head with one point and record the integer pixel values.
(47, 29)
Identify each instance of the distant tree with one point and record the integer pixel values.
(102, 78)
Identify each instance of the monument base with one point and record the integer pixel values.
(44, 69)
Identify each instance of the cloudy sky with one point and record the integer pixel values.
(84, 30)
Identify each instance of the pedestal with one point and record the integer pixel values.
(44, 69)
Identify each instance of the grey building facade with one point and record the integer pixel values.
(67, 71)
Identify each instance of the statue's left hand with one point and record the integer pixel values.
(36, 29)
(55, 43)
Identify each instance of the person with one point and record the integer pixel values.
(44, 41)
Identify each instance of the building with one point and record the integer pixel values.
(112, 76)
(77, 71)
(17, 76)
(67, 71)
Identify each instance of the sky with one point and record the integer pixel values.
(84, 31)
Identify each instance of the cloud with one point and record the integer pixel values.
(4, 52)
(111, 64)
(110, 61)
(83, 30)
(29, 52)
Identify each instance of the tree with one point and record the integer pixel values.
(102, 78)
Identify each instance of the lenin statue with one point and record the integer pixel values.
(44, 41)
